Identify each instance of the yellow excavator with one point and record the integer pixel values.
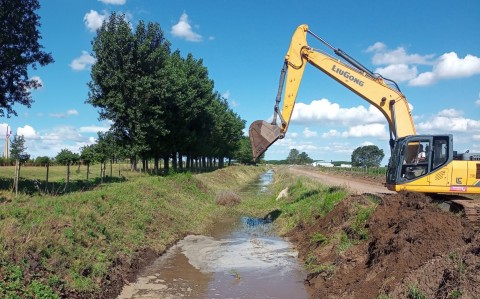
(439, 170)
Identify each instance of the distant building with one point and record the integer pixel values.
(346, 165)
(322, 164)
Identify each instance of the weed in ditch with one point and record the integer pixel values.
(227, 198)
(235, 273)
(319, 238)
(415, 293)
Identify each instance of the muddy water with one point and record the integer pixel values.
(240, 258)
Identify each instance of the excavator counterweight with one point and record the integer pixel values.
(262, 135)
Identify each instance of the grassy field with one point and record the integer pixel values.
(66, 246)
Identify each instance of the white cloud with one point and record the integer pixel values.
(401, 66)
(365, 143)
(93, 129)
(384, 56)
(308, 133)
(450, 120)
(398, 72)
(369, 130)
(183, 29)
(226, 96)
(93, 20)
(3, 130)
(114, 2)
(27, 131)
(64, 115)
(331, 133)
(449, 66)
(324, 111)
(83, 62)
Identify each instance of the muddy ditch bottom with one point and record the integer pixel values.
(239, 258)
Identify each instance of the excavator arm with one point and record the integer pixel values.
(348, 72)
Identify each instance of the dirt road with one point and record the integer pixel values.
(411, 248)
(354, 184)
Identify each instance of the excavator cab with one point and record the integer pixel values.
(262, 135)
(415, 157)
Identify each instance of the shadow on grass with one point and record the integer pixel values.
(32, 187)
(272, 216)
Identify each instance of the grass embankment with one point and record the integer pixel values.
(306, 200)
(297, 215)
(68, 246)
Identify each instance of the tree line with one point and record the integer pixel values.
(162, 106)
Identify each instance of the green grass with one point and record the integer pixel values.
(415, 293)
(71, 241)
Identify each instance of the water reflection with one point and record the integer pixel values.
(241, 258)
(261, 185)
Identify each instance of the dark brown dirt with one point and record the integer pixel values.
(411, 243)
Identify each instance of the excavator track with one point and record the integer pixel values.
(470, 207)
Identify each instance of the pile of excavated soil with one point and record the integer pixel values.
(411, 244)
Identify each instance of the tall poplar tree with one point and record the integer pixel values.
(128, 81)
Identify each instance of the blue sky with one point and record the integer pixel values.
(430, 48)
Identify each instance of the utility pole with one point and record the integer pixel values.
(6, 151)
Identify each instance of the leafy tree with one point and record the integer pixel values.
(105, 149)
(19, 50)
(87, 155)
(67, 157)
(128, 81)
(293, 156)
(243, 154)
(367, 156)
(17, 152)
(18, 148)
(303, 158)
(42, 160)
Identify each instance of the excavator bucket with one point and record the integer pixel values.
(262, 135)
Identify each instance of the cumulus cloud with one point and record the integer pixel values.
(383, 56)
(3, 129)
(449, 120)
(28, 132)
(93, 20)
(183, 30)
(449, 66)
(331, 133)
(402, 66)
(369, 130)
(308, 133)
(114, 2)
(325, 111)
(398, 72)
(82, 62)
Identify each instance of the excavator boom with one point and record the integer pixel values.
(351, 74)
(441, 169)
